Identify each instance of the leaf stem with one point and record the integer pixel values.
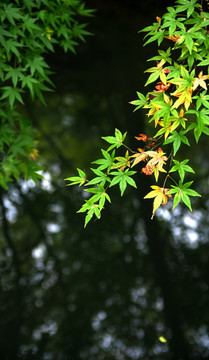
(133, 152)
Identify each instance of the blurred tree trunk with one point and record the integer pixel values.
(158, 235)
(15, 300)
(173, 317)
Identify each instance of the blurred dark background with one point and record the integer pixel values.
(112, 290)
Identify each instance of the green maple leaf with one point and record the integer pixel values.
(116, 140)
(177, 138)
(123, 178)
(107, 162)
(12, 94)
(181, 167)
(183, 192)
(101, 178)
(77, 180)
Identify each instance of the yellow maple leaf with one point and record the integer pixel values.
(160, 197)
(167, 99)
(156, 172)
(166, 129)
(140, 156)
(122, 162)
(157, 158)
(154, 107)
(156, 162)
(172, 123)
(200, 81)
(34, 154)
(184, 97)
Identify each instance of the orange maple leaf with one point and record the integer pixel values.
(181, 114)
(148, 170)
(142, 137)
(34, 154)
(174, 38)
(161, 87)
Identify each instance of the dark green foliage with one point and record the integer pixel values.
(28, 31)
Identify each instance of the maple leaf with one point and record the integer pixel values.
(173, 122)
(122, 162)
(167, 71)
(156, 162)
(123, 178)
(154, 165)
(78, 180)
(34, 154)
(140, 156)
(160, 64)
(156, 172)
(160, 195)
(154, 108)
(184, 88)
(157, 158)
(142, 137)
(160, 108)
(184, 97)
(166, 129)
(174, 38)
(182, 192)
(147, 170)
(157, 71)
(200, 81)
(161, 87)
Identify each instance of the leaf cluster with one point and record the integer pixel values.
(111, 170)
(177, 104)
(29, 29)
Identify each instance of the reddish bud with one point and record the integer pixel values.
(151, 144)
(151, 97)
